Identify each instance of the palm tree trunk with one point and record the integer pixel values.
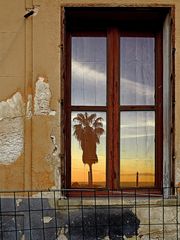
(90, 177)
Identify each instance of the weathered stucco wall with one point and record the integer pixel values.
(12, 83)
(30, 97)
(30, 88)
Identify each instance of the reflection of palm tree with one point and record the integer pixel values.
(87, 131)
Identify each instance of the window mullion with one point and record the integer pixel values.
(113, 108)
(110, 152)
(116, 115)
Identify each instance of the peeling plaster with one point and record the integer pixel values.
(55, 150)
(47, 219)
(29, 107)
(11, 129)
(54, 160)
(11, 139)
(12, 107)
(42, 98)
(18, 201)
(61, 235)
(12, 113)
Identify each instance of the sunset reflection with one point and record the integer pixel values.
(89, 91)
(137, 149)
(89, 153)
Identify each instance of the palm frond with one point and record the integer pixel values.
(91, 117)
(98, 121)
(98, 125)
(99, 131)
(80, 118)
(78, 131)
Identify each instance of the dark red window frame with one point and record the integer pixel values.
(113, 32)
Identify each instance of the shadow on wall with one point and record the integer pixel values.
(100, 223)
(34, 218)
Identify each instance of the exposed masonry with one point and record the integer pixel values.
(42, 98)
(12, 113)
(13, 107)
(11, 129)
(11, 139)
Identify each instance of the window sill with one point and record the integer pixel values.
(120, 201)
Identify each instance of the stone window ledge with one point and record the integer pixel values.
(122, 201)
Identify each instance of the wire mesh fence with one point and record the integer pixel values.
(90, 214)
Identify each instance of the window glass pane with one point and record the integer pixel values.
(137, 70)
(88, 149)
(88, 71)
(137, 149)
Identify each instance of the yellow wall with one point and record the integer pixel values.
(30, 64)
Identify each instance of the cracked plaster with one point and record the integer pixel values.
(42, 98)
(11, 129)
(54, 160)
(12, 113)
(11, 139)
(12, 107)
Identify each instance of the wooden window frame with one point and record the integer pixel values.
(113, 77)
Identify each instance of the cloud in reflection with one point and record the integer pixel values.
(82, 71)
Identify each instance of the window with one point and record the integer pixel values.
(114, 98)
